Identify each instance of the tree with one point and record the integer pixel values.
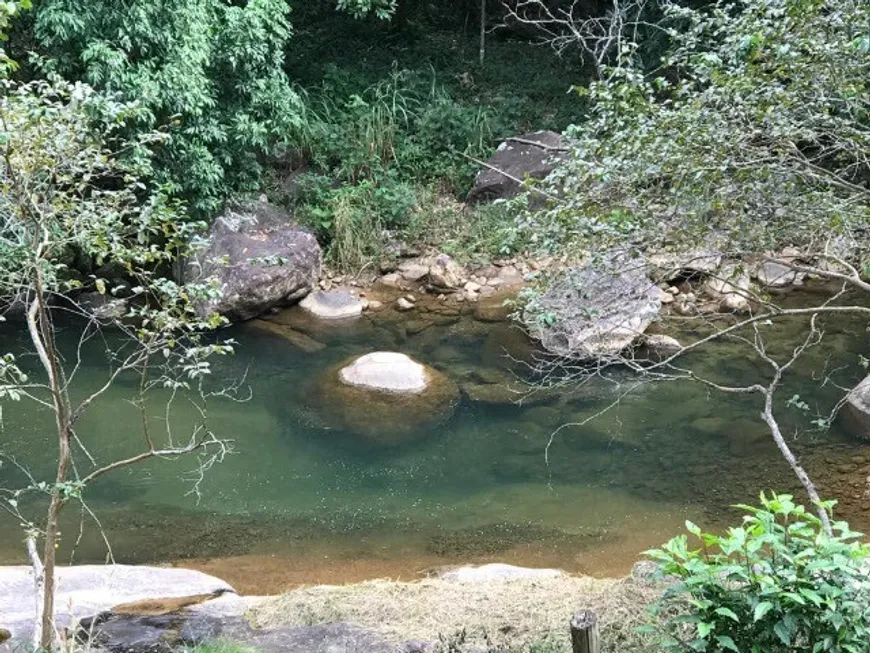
(747, 147)
(210, 73)
(63, 196)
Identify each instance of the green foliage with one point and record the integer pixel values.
(8, 10)
(370, 152)
(775, 584)
(381, 9)
(65, 195)
(753, 132)
(404, 124)
(210, 72)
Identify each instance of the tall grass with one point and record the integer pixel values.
(371, 151)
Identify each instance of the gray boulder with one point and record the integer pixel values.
(260, 259)
(856, 410)
(532, 155)
(771, 274)
(595, 311)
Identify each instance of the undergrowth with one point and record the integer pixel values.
(393, 128)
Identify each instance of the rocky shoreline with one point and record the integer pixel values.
(133, 609)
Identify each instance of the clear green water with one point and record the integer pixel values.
(300, 503)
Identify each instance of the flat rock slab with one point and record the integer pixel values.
(497, 571)
(88, 590)
(340, 304)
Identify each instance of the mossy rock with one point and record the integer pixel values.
(386, 397)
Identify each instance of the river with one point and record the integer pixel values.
(297, 503)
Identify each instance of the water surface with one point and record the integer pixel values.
(299, 503)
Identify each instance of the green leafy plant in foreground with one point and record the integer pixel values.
(776, 583)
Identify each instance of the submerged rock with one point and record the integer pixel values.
(497, 307)
(856, 411)
(260, 259)
(386, 397)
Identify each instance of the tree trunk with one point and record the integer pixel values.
(41, 330)
(39, 586)
(482, 31)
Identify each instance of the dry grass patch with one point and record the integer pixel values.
(517, 614)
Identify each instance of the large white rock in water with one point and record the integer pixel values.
(856, 410)
(388, 371)
(339, 304)
(386, 397)
(595, 311)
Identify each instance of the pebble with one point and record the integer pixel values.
(403, 304)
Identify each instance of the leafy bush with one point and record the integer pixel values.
(777, 583)
(752, 131)
(210, 71)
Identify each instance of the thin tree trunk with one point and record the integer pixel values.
(482, 31)
(39, 585)
(42, 335)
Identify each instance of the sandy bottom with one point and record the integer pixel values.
(273, 573)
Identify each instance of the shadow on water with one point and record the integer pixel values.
(299, 502)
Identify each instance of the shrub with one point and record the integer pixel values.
(210, 71)
(776, 583)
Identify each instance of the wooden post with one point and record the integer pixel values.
(584, 632)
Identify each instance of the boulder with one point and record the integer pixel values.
(338, 304)
(260, 259)
(771, 274)
(595, 311)
(532, 155)
(445, 273)
(697, 262)
(496, 307)
(87, 590)
(102, 306)
(386, 397)
(730, 286)
(659, 346)
(856, 410)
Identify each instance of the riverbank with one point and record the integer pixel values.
(455, 609)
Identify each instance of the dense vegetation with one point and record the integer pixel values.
(741, 126)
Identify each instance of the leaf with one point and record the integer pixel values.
(783, 632)
(760, 610)
(101, 286)
(727, 643)
(704, 629)
(728, 612)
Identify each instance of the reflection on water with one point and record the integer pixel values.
(299, 503)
